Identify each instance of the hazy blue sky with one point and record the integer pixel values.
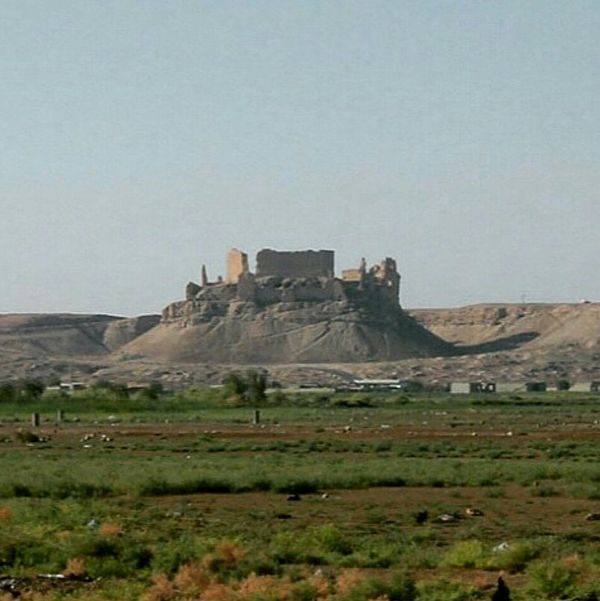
(140, 139)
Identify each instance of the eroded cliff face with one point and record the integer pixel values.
(530, 326)
(239, 331)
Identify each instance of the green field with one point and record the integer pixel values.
(184, 497)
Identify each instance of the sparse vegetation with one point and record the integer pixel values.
(183, 497)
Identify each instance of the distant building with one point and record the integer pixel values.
(521, 386)
(67, 387)
(585, 387)
(464, 387)
(517, 386)
(472, 387)
(379, 384)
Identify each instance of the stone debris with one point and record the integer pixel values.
(446, 518)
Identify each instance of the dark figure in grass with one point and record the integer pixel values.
(502, 593)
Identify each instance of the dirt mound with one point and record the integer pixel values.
(286, 333)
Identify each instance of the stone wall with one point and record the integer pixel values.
(300, 264)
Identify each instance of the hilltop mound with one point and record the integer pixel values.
(294, 310)
(286, 333)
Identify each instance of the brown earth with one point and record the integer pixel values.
(501, 342)
(291, 332)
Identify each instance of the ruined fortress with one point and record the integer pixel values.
(290, 277)
(292, 308)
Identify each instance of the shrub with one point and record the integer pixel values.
(443, 590)
(52, 396)
(355, 586)
(111, 529)
(248, 389)
(75, 568)
(516, 557)
(8, 392)
(466, 554)
(555, 580)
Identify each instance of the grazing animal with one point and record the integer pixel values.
(502, 592)
(293, 497)
(421, 516)
(473, 512)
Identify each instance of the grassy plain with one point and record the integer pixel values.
(185, 498)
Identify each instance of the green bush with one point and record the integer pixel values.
(401, 587)
(8, 392)
(466, 554)
(249, 389)
(443, 590)
(516, 557)
(555, 580)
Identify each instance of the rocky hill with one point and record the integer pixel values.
(297, 332)
(295, 318)
(529, 327)
(503, 342)
(292, 310)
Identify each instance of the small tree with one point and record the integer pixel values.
(256, 387)
(250, 388)
(30, 390)
(8, 392)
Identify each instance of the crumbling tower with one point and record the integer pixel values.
(237, 266)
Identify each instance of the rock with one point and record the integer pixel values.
(446, 518)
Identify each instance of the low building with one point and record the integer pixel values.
(464, 387)
(379, 384)
(585, 387)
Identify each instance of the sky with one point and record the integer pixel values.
(141, 139)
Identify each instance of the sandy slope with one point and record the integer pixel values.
(288, 333)
(524, 326)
